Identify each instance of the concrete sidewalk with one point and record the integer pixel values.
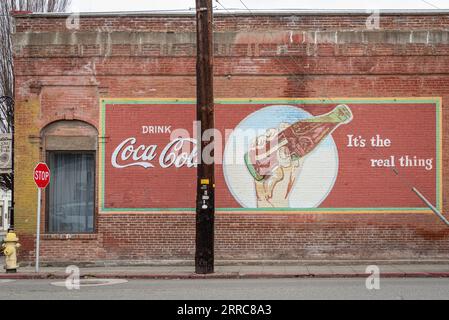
(239, 271)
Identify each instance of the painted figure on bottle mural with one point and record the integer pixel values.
(275, 159)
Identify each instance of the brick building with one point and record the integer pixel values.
(83, 94)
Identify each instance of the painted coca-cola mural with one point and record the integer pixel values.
(287, 155)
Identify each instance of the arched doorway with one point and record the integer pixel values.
(70, 150)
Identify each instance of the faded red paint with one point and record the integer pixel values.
(360, 183)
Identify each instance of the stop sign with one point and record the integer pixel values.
(41, 175)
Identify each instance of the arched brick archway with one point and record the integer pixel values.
(69, 147)
(69, 135)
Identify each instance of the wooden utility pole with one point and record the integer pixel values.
(205, 200)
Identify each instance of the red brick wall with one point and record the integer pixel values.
(58, 78)
(176, 23)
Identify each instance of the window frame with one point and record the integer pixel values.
(47, 193)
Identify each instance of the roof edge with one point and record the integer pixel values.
(233, 12)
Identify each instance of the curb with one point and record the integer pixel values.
(191, 263)
(194, 276)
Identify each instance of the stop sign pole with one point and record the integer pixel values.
(41, 177)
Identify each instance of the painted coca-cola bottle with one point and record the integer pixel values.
(300, 139)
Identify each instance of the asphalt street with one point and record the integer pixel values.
(263, 289)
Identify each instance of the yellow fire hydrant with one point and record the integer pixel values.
(10, 246)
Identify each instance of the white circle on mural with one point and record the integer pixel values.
(313, 182)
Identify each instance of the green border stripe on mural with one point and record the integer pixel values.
(439, 138)
(420, 209)
(303, 101)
